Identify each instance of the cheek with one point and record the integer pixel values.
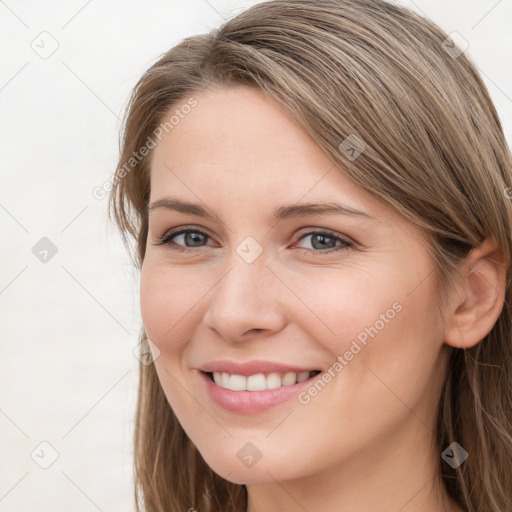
(390, 350)
(373, 319)
(339, 303)
(166, 306)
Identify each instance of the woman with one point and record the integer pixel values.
(318, 192)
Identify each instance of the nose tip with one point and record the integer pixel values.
(245, 303)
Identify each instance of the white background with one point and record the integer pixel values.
(68, 326)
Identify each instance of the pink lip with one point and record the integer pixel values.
(251, 402)
(252, 367)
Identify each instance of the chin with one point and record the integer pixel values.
(245, 466)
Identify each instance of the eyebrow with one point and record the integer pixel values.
(283, 212)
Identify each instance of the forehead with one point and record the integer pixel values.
(237, 146)
(238, 128)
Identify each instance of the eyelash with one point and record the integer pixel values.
(167, 237)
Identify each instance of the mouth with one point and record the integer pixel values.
(259, 381)
(255, 393)
(254, 386)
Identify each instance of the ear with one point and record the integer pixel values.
(478, 298)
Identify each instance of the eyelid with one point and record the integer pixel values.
(312, 230)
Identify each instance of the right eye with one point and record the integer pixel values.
(184, 239)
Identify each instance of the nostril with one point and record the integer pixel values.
(254, 331)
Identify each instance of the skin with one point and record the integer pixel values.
(364, 442)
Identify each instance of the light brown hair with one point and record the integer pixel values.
(434, 151)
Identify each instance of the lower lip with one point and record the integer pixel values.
(250, 402)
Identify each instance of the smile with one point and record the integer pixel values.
(255, 393)
(259, 381)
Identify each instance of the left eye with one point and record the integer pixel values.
(325, 241)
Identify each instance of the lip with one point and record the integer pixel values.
(252, 367)
(253, 402)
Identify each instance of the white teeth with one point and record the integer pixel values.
(290, 378)
(259, 381)
(273, 381)
(256, 382)
(225, 380)
(302, 376)
(237, 382)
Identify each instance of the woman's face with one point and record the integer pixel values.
(263, 289)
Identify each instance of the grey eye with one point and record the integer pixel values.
(190, 238)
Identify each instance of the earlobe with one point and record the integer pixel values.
(479, 298)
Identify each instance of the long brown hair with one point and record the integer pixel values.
(434, 151)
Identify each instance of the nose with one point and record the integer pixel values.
(246, 303)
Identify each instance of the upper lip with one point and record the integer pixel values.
(252, 367)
